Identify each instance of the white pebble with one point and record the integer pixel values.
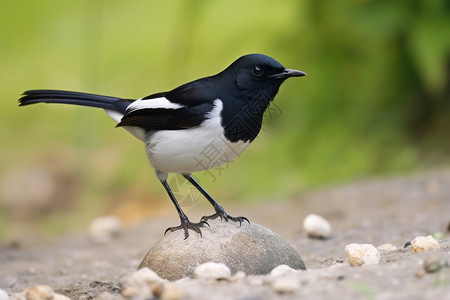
(3, 295)
(424, 243)
(362, 254)
(172, 292)
(102, 229)
(39, 292)
(281, 270)
(60, 297)
(254, 280)
(387, 248)
(316, 226)
(140, 284)
(285, 285)
(212, 270)
(238, 276)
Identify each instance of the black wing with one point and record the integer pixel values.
(196, 97)
(166, 118)
(192, 93)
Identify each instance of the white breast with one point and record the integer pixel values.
(195, 149)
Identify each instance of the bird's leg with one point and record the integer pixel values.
(185, 223)
(220, 212)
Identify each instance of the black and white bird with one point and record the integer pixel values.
(222, 112)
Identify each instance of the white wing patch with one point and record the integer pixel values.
(138, 132)
(161, 102)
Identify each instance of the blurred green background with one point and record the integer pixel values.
(375, 103)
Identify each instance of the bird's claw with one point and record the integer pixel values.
(186, 225)
(224, 216)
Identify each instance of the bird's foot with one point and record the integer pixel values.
(186, 225)
(220, 212)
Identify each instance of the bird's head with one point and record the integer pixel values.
(258, 76)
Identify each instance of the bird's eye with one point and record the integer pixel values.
(257, 70)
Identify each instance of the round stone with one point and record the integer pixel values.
(250, 248)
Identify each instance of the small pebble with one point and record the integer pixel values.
(32, 271)
(172, 292)
(141, 275)
(255, 280)
(424, 243)
(387, 248)
(435, 262)
(108, 296)
(285, 285)
(316, 226)
(103, 229)
(142, 284)
(362, 254)
(212, 270)
(39, 292)
(238, 276)
(3, 295)
(281, 270)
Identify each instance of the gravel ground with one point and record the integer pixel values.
(377, 212)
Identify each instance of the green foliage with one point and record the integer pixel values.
(376, 100)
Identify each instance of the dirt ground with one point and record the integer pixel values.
(394, 210)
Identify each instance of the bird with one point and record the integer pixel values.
(223, 112)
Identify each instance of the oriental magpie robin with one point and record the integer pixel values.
(224, 111)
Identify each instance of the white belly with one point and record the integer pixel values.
(195, 149)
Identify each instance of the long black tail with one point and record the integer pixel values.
(74, 98)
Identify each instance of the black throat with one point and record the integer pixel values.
(242, 120)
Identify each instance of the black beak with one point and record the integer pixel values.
(288, 73)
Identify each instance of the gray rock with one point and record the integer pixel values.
(250, 248)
